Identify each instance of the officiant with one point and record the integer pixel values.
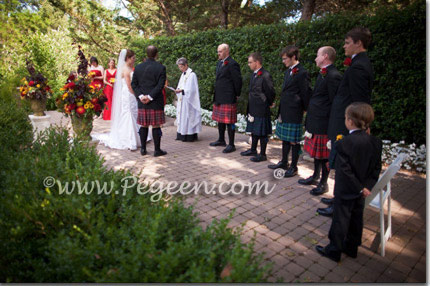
(188, 112)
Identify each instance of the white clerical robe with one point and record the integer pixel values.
(188, 111)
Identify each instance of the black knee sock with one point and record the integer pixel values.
(285, 151)
(263, 145)
(295, 155)
(221, 131)
(156, 136)
(143, 132)
(317, 169)
(254, 143)
(230, 131)
(325, 171)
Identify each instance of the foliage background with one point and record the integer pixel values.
(396, 52)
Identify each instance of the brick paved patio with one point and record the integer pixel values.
(284, 222)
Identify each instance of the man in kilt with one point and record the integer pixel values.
(317, 118)
(228, 85)
(148, 81)
(295, 95)
(356, 86)
(261, 97)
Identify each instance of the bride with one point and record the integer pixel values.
(124, 129)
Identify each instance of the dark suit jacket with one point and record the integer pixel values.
(319, 107)
(356, 85)
(358, 164)
(295, 95)
(149, 78)
(228, 82)
(261, 94)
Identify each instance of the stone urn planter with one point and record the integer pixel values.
(38, 106)
(82, 126)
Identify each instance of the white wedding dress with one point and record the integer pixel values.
(124, 128)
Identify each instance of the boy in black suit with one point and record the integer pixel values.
(358, 164)
(295, 95)
(261, 97)
(228, 85)
(148, 81)
(317, 118)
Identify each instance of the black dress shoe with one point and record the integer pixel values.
(229, 149)
(326, 211)
(159, 153)
(143, 152)
(327, 201)
(291, 172)
(259, 158)
(319, 190)
(279, 165)
(248, 152)
(324, 252)
(309, 181)
(218, 143)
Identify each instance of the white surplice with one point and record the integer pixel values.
(188, 111)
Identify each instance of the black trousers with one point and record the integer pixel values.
(347, 224)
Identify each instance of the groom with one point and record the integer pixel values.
(148, 81)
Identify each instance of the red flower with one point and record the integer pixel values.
(31, 83)
(71, 78)
(323, 72)
(71, 85)
(80, 110)
(259, 73)
(47, 88)
(97, 107)
(94, 100)
(72, 106)
(295, 71)
(347, 62)
(225, 63)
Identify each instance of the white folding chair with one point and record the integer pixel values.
(378, 197)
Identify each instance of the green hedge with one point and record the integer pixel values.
(397, 54)
(46, 236)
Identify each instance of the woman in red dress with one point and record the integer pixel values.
(109, 80)
(96, 72)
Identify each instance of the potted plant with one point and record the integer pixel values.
(81, 100)
(36, 89)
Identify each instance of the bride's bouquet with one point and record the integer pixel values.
(80, 97)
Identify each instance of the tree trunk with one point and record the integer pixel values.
(167, 20)
(308, 10)
(225, 5)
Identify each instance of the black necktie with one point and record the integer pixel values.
(185, 73)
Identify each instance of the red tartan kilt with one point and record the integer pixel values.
(317, 146)
(225, 113)
(147, 117)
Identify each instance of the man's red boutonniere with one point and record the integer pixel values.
(323, 72)
(347, 62)
(294, 71)
(259, 73)
(225, 63)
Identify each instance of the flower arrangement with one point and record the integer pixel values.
(34, 86)
(80, 97)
